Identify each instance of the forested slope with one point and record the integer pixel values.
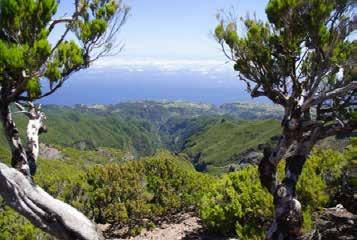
(141, 128)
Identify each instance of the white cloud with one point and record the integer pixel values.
(202, 66)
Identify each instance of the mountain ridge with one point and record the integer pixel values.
(141, 128)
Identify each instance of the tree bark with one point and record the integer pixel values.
(288, 212)
(19, 192)
(18, 152)
(51, 215)
(268, 165)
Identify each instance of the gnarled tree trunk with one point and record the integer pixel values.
(19, 191)
(288, 218)
(18, 152)
(288, 211)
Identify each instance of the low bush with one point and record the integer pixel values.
(237, 204)
(147, 189)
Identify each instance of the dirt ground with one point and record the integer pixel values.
(187, 228)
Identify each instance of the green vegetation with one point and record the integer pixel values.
(26, 50)
(159, 186)
(281, 58)
(218, 145)
(136, 128)
(138, 194)
(320, 179)
(149, 126)
(175, 132)
(73, 127)
(237, 204)
(132, 195)
(252, 111)
(16, 227)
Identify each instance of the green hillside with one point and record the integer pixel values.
(141, 128)
(217, 145)
(159, 112)
(73, 126)
(252, 110)
(177, 130)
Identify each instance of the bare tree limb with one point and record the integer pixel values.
(329, 95)
(51, 215)
(58, 21)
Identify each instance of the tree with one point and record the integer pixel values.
(304, 59)
(31, 68)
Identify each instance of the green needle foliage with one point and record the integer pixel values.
(28, 59)
(238, 205)
(153, 187)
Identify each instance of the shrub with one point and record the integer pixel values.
(319, 178)
(237, 202)
(150, 188)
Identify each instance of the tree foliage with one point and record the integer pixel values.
(28, 59)
(304, 59)
(141, 193)
(237, 204)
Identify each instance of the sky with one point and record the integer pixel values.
(174, 29)
(178, 29)
(171, 38)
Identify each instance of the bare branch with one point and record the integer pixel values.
(58, 21)
(45, 212)
(312, 101)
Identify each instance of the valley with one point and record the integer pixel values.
(134, 167)
(214, 138)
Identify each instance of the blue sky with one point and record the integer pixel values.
(170, 29)
(178, 29)
(169, 54)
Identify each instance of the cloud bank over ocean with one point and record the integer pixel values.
(113, 80)
(202, 66)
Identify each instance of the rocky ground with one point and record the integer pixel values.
(49, 153)
(187, 227)
(340, 222)
(330, 224)
(335, 224)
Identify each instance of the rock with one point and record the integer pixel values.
(248, 157)
(103, 227)
(334, 224)
(128, 156)
(49, 153)
(84, 145)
